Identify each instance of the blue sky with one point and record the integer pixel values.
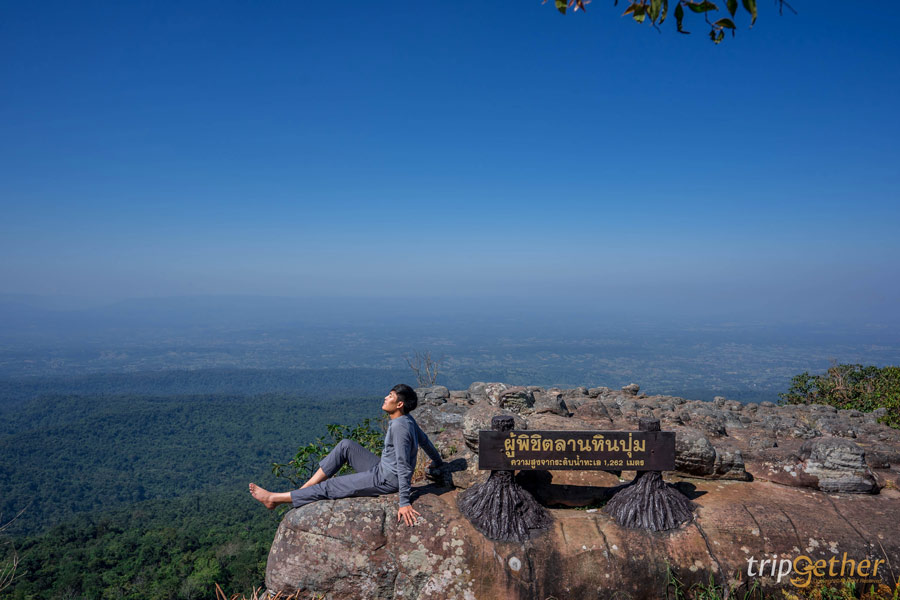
(451, 149)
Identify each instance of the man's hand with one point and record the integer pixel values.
(433, 472)
(407, 513)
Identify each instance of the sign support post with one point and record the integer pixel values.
(500, 508)
(648, 502)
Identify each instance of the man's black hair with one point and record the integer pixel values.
(408, 396)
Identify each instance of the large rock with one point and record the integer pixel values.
(594, 412)
(433, 419)
(834, 426)
(785, 424)
(347, 537)
(548, 402)
(574, 397)
(631, 389)
(460, 397)
(695, 455)
(838, 464)
(519, 400)
(479, 416)
(730, 465)
(553, 422)
(828, 464)
(708, 418)
(476, 391)
(490, 392)
(355, 549)
(433, 396)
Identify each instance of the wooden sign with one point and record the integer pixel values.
(586, 450)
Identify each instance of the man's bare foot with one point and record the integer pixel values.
(263, 496)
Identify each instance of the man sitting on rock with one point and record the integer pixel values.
(374, 476)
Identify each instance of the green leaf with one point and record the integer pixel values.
(561, 6)
(662, 13)
(637, 11)
(655, 6)
(679, 16)
(724, 23)
(750, 5)
(702, 7)
(732, 6)
(721, 36)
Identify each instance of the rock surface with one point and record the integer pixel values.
(766, 479)
(354, 548)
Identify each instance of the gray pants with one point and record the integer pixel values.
(367, 481)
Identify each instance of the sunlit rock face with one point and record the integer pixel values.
(767, 480)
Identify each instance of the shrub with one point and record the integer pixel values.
(300, 468)
(850, 386)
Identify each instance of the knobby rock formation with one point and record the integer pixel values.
(764, 479)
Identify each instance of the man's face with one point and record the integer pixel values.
(391, 403)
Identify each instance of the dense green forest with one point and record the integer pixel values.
(64, 455)
(143, 496)
(156, 549)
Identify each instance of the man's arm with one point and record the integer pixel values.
(403, 443)
(428, 447)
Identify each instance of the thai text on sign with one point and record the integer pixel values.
(558, 450)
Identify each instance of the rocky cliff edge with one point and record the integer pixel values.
(787, 483)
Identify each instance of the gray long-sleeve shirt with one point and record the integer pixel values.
(401, 446)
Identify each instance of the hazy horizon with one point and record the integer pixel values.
(658, 305)
(365, 340)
